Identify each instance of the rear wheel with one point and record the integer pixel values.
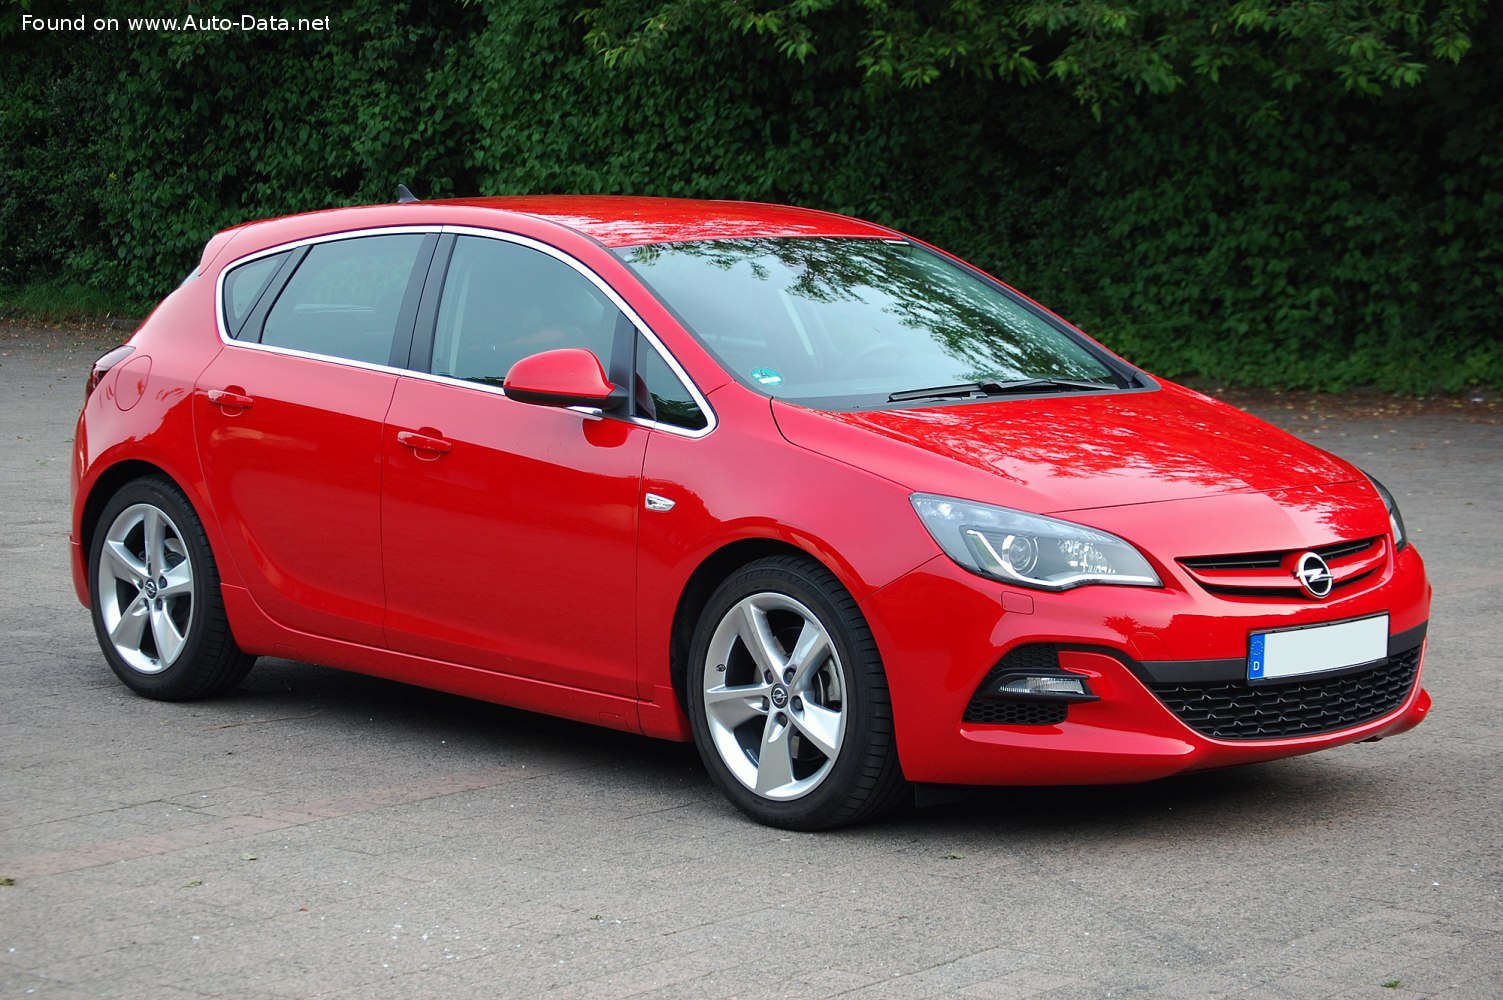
(788, 699)
(154, 592)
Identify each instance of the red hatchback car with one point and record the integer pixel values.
(841, 509)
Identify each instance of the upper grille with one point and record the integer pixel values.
(1269, 574)
(1240, 711)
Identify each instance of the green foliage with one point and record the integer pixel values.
(1104, 50)
(1248, 210)
(143, 143)
(244, 125)
(1338, 243)
(59, 300)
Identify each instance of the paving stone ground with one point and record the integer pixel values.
(321, 834)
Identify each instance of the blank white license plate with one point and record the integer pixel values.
(1316, 649)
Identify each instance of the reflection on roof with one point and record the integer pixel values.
(628, 221)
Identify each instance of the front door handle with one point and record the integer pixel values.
(229, 400)
(424, 442)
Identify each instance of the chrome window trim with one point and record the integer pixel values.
(711, 421)
(589, 412)
(354, 234)
(329, 358)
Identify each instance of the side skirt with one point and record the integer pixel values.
(258, 634)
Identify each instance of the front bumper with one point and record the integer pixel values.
(942, 631)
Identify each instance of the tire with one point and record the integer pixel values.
(788, 700)
(155, 598)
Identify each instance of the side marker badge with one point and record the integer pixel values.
(659, 503)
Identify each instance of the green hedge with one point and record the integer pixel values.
(1322, 241)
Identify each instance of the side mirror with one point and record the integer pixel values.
(569, 376)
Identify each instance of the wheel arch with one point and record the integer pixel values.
(205, 659)
(707, 576)
(865, 778)
(112, 479)
(108, 483)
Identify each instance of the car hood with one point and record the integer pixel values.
(1062, 453)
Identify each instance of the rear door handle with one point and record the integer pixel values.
(230, 400)
(423, 442)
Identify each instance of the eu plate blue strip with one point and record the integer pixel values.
(1255, 657)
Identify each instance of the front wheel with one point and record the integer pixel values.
(788, 700)
(154, 596)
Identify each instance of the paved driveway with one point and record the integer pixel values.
(324, 834)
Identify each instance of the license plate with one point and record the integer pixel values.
(1316, 649)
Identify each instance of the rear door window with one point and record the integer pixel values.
(345, 299)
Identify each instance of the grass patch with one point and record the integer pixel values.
(61, 301)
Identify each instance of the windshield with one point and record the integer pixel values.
(848, 323)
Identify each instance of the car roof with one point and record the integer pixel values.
(611, 220)
(620, 220)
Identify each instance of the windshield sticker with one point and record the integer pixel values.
(766, 376)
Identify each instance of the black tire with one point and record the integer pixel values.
(812, 747)
(155, 599)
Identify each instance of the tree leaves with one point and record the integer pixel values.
(1299, 193)
(1103, 51)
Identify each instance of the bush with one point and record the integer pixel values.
(1319, 240)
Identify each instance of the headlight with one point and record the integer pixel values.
(1029, 549)
(1395, 519)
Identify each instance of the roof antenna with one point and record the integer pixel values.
(404, 196)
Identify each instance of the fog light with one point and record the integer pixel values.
(1061, 687)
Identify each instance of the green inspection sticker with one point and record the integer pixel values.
(766, 376)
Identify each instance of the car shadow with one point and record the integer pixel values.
(1297, 791)
(284, 688)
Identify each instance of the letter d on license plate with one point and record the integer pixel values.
(1316, 649)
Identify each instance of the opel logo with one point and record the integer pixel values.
(1314, 575)
(779, 696)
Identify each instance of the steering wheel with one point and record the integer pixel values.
(853, 363)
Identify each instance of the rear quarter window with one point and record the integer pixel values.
(243, 286)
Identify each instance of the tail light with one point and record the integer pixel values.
(102, 368)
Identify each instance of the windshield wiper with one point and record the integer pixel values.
(1022, 385)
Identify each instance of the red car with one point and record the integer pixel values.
(846, 512)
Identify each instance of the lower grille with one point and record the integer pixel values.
(1240, 711)
(1015, 713)
(991, 709)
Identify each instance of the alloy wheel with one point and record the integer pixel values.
(775, 696)
(146, 588)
